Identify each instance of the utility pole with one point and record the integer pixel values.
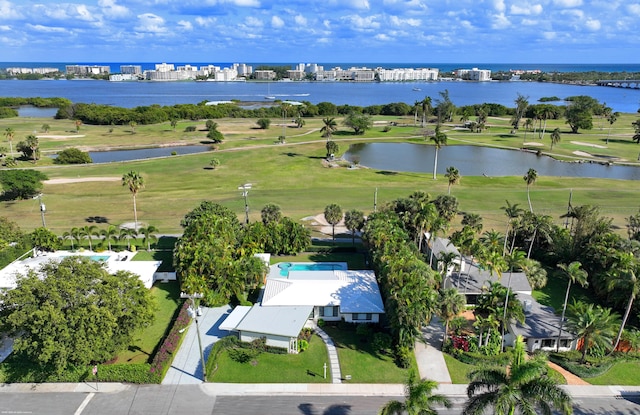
(245, 192)
(375, 201)
(43, 209)
(193, 312)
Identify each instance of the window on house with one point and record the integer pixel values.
(335, 311)
(548, 343)
(565, 343)
(321, 311)
(362, 316)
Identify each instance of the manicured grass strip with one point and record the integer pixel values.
(167, 296)
(622, 373)
(359, 360)
(305, 367)
(458, 371)
(165, 256)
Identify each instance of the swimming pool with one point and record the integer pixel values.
(286, 267)
(102, 258)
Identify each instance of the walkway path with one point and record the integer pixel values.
(431, 364)
(187, 367)
(568, 376)
(336, 375)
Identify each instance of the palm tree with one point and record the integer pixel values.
(67, 235)
(492, 240)
(76, 234)
(333, 216)
(135, 182)
(329, 127)
(427, 107)
(515, 260)
(612, 118)
(574, 275)
(445, 261)
(545, 113)
(625, 278)
(128, 233)
(10, 133)
(354, 221)
(108, 234)
(555, 137)
(33, 144)
(89, 231)
(524, 387)
(512, 212)
(530, 178)
(148, 233)
(419, 399)
(439, 139)
(453, 175)
(450, 304)
(593, 324)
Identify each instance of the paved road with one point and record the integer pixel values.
(202, 400)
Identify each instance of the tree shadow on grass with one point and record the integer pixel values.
(387, 173)
(291, 154)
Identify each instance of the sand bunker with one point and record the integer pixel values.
(324, 227)
(60, 136)
(83, 180)
(580, 143)
(582, 154)
(533, 144)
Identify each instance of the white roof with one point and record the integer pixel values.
(234, 318)
(279, 321)
(354, 291)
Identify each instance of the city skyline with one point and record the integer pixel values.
(482, 31)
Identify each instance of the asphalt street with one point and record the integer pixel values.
(197, 400)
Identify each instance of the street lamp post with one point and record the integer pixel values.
(194, 314)
(43, 208)
(245, 192)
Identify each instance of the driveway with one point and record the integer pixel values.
(187, 367)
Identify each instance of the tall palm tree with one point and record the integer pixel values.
(427, 107)
(625, 278)
(329, 127)
(333, 216)
(10, 133)
(524, 387)
(530, 178)
(445, 261)
(492, 240)
(135, 182)
(453, 175)
(612, 118)
(595, 325)
(450, 304)
(439, 139)
(111, 232)
(574, 275)
(419, 399)
(545, 113)
(555, 137)
(148, 233)
(515, 260)
(513, 212)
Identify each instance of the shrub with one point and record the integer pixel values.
(403, 356)
(386, 129)
(381, 341)
(460, 343)
(72, 156)
(321, 322)
(264, 123)
(164, 356)
(303, 345)
(190, 128)
(363, 330)
(242, 355)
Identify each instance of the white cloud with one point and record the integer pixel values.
(549, 35)
(84, 14)
(47, 29)
(396, 21)
(253, 21)
(352, 4)
(499, 6)
(151, 23)
(567, 3)
(592, 24)
(300, 20)
(8, 11)
(113, 10)
(500, 21)
(277, 22)
(5, 28)
(634, 9)
(205, 21)
(359, 22)
(243, 3)
(382, 37)
(527, 10)
(576, 14)
(185, 25)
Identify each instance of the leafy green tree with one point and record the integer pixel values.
(133, 126)
(74, 313)
(473, 220)
(135, 182)
(612, 118)
(354, 221)
(214, 162)
(447, 206)
(530, 178)
(419, 399)
(211, 124)
(45, 240)
(595, 325)
(444, 107)
(450, 304)
(574, 275)
(30, 148)
(271, 213)
(524, 387)
(21, 184)
(453, 176)
(636, 127)
(439, 139)
(360, 123)
(174, 123)
(536, 274)
(332, 148)
(214, 135)
(333, 216)
(72, 156)
(264, 123)
(579, 113)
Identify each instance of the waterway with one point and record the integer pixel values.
(144, 153)
(478, 161)
(133, 94)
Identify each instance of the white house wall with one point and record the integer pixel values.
(272, 339)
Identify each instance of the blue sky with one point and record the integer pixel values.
(394, 31)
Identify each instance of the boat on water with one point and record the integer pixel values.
(417, 89)
(269, 97)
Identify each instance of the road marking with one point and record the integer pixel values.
(84, 403)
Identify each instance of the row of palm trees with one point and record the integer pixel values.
(111, 235)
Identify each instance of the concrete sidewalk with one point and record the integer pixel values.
(187, 367)
(431, 364)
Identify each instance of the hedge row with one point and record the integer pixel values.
(589, 370)
(165, 354)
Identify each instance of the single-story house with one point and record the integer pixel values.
(540, 328)
(295, 293)
(440, 246)
(113, 261)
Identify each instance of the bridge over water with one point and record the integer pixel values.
(620, 83)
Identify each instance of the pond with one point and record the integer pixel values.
(28, 111)
(144, 153)
(478, 161)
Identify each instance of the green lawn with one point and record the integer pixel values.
(359, 360)
(553, 293)
(167, 297)
(622, 373)
(458, 371)
(165, 256)
(305, 367)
